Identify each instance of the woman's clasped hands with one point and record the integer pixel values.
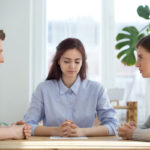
(70, 129)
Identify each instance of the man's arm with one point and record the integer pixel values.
(11, 132)
(5, 133)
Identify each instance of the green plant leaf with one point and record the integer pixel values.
(143, 12)
(129, 59)
(141, 36)
(126, 44)
(121, 36)
(131, 29)
(122, 53)
(122, 44)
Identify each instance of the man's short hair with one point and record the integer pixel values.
(2, 35)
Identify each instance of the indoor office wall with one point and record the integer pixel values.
(14, 73)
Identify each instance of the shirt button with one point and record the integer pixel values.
(70, 92)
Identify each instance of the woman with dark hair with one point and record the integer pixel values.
(67, 102)
(129, 130)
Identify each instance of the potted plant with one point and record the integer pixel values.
(127, 40)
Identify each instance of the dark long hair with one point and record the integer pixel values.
(2, 35)
(69, 43)
(145, 43)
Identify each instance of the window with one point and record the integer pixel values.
(96, 23)
(79, 19)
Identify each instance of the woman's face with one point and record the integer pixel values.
(143, 62)
(70, 63)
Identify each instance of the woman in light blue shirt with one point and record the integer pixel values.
(67, 102)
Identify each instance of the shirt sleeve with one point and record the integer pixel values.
(35, 112)
(141, 134)
(106, 113)
(146, 124)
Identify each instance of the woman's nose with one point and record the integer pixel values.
(137, 64)
(72, 64)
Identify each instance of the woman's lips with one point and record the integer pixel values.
(71, 71)
(141, 71)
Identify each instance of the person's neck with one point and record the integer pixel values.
(68, 81)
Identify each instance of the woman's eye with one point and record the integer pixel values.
(77, 62)
(66, 62)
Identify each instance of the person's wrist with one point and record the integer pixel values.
(11, 131)
(57, 131)
(83, 131)
(131, 133)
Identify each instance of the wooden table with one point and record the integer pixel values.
(92, 143)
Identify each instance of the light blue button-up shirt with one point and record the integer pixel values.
(53, 103)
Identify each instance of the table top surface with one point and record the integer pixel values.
(45, 143)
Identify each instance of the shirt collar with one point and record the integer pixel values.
(74, 88)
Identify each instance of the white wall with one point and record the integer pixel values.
(24, 24)
(14, 73)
